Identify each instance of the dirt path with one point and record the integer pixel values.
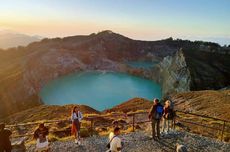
(141, 142)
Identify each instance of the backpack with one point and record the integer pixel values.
(170, 114)
(159, 111)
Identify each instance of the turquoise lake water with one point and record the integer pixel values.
(142, 64)
(98, 90)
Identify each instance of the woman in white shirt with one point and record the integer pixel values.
(76, 118)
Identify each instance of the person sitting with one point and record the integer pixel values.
(5, 144)
(41, 136)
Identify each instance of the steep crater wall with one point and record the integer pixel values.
(25, 70)
(192, 70)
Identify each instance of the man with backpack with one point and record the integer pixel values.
(155, 115)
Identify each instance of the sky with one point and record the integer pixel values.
(137, 19)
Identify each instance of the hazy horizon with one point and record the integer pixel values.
(143, 20)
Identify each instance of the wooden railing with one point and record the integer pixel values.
(132, 116)
(224, 123)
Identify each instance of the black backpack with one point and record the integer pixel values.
(171, 113)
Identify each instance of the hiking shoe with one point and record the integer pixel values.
(76, 141)
(154, 138)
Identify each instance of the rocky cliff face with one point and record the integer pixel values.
(174, 74)
(190, 70)
(209, 70)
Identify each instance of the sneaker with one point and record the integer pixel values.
(162, 135)
(154, 138)
(76, 141)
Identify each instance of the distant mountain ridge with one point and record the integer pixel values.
(11, 39)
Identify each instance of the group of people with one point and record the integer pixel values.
(160, 112)
(41, 134)
(157, 113)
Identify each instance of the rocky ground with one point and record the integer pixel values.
(142, 142)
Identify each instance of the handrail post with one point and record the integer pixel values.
(91, 127)
(173, 121)
(222, 132)
(133, 122)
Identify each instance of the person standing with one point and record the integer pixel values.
(115, 141)
(41, 137)
(76, 118)
(155, 115)
(5, 144)
(167, 116)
